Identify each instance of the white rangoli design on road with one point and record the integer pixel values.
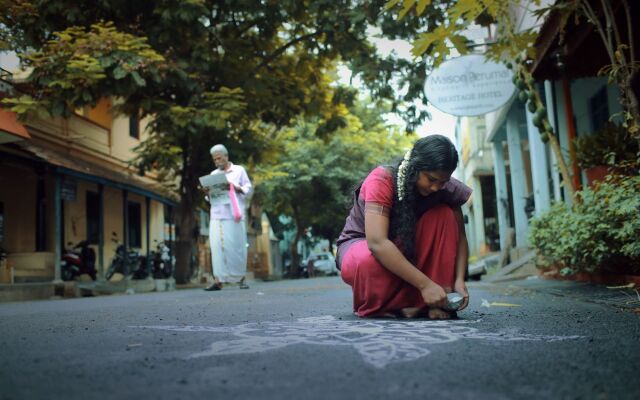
(380, 342)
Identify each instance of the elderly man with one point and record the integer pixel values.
(227, 231)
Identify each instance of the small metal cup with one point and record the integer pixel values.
(454, 301)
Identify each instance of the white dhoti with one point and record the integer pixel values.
(228, 241)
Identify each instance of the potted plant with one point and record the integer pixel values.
(609, 149)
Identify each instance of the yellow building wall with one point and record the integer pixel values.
(75, 214)
(50, 187)
(75, 219)
(18, 193)
(101, 113)
(113, 222)
(156, 224)
(122, 143)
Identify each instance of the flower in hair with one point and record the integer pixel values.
(402, 170)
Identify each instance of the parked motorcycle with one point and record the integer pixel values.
(161, 261)
(125, 262)
(77, 260)
(139, 265)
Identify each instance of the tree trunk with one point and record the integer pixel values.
(186, 220)
(186, 225)
(295, 257)
(294, 269)
(562, 165)
(553, 141)
(630, 100)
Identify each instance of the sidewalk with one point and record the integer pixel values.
(31, 291)
(523, 273)
(627, 298)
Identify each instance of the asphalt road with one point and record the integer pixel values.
(300, 340)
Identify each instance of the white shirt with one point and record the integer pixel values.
(237, 175)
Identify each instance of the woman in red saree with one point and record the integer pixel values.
(403, 247)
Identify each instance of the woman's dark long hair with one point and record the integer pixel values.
(430, 153)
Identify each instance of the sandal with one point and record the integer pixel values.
(242, 284)
(214, 287)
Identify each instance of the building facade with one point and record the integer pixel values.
(476, 171)
(69, 180)
(578, 100)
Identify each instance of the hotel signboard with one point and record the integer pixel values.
(469, 85)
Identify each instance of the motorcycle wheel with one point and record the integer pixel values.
(66, 274)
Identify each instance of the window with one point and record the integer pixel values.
(599, 109)
(134, 126)
(134, 226)
(93, 217)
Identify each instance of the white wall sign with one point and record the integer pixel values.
(469, 85)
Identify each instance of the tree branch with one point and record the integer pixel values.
(613, 26)
(627, 11)
(590, 14)
(248, 26)
(282, 49)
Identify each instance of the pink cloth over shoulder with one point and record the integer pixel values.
(235, 209)
(236, 174)
(378, 187)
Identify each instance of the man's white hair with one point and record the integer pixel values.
(219, 148)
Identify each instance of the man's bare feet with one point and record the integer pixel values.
(438, 313)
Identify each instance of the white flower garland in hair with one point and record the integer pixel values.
(402, 170)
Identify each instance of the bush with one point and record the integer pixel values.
(611, 146)
(601, 233)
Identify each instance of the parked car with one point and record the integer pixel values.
(323, 262)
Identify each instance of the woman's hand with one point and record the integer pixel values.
(461, 288)
(434, 295)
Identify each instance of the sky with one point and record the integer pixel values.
(440, 123)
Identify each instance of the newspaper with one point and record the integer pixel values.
(217, 186)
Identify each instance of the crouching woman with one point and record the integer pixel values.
(403, 246)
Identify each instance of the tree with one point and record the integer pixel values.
(312, 179)
(204, 71)
(513, 47)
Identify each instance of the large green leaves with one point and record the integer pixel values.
(77, 67)
(438, 40)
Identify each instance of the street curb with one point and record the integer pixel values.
(622, 298)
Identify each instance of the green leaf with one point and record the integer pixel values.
(407, 5)
(460, 43)
(119, 72)
(436, 38)
(138, 79)
(467, 10)
(390, 4)
(422, 5)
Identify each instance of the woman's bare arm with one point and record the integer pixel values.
(462, 258)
